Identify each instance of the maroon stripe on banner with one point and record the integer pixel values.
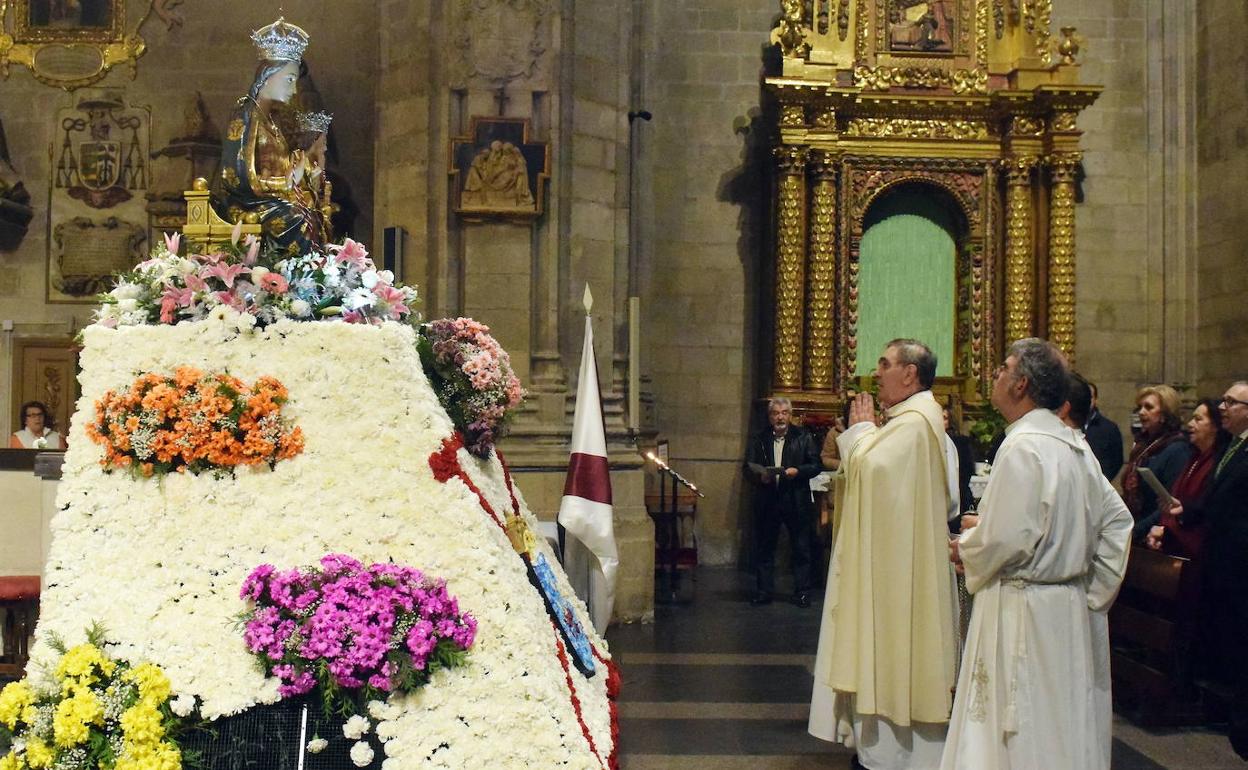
(589, 477)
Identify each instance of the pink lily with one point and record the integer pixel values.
(352, 251)
(236, 233)
(228, 298)
(393, 298)
(253, 249)
(227, 273)
(173, 299)
(195, 283)
(173, 241)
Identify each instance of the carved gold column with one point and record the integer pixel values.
(1020, 279)
(790, 265)
(1062, 251)
(821, 272)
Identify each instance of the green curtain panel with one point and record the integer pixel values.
(906, 279)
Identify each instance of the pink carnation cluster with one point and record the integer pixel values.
(382, 628)
(478, 386)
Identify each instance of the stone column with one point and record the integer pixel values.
(1020, 275)
(821, 273)
(790, 266)
(1062, 168)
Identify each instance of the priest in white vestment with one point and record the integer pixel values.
(1044, 563)
(885, 668)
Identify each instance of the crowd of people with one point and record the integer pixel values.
(1026, 684)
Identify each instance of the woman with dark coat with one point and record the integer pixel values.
(1160, 447)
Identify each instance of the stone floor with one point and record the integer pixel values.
(716, 683)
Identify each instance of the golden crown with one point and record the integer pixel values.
(280, 41)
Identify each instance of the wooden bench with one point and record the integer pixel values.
(1153, 634)
(19, 598)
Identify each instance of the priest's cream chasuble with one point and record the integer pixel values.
(887, 645)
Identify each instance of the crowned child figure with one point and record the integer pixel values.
(309, 138)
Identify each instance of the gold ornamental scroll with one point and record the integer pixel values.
(1062, 251)
(790, 264)
(821, 273)
(1020, 290)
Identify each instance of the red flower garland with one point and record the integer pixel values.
(576, 702)
(445, 466)
(613, 693)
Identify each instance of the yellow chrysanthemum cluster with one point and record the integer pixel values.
(162, 756)
(82, 666)
(16, 700)
(39, 754)
(71, 723)
(142, 727)
(84, 672)
(153, 684)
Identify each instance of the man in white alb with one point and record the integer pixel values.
(1048, 554)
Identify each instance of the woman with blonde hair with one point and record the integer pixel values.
(1160, 447)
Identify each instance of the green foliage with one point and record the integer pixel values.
(985, 429)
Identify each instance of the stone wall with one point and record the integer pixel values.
(705, 157)
(1137, 253)
(1222, 193)
(1160, 281)
(210, 53)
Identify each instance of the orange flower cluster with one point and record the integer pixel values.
(193, 421)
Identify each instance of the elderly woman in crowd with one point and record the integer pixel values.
(1208, 439)
(36, 432)
(1160, 447)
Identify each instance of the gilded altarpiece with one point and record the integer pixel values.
(974, 102)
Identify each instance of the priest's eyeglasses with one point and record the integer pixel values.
(1229, 402)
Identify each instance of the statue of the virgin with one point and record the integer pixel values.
(261, 173)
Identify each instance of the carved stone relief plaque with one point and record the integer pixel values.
(499, 41)
(97, 193)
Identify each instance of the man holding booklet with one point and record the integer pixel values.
(781, 461)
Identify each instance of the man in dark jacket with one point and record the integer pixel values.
(1224, 508)
(1105, 439)
(781, 461)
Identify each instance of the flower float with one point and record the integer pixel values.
(99, 712)
(473, 378)
(194, 421)
(341, 284)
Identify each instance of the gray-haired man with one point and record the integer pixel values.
(1051, 544)
(781, 460)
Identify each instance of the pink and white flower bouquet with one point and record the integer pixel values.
(341, 284)
(472, 375)
(358, 633)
